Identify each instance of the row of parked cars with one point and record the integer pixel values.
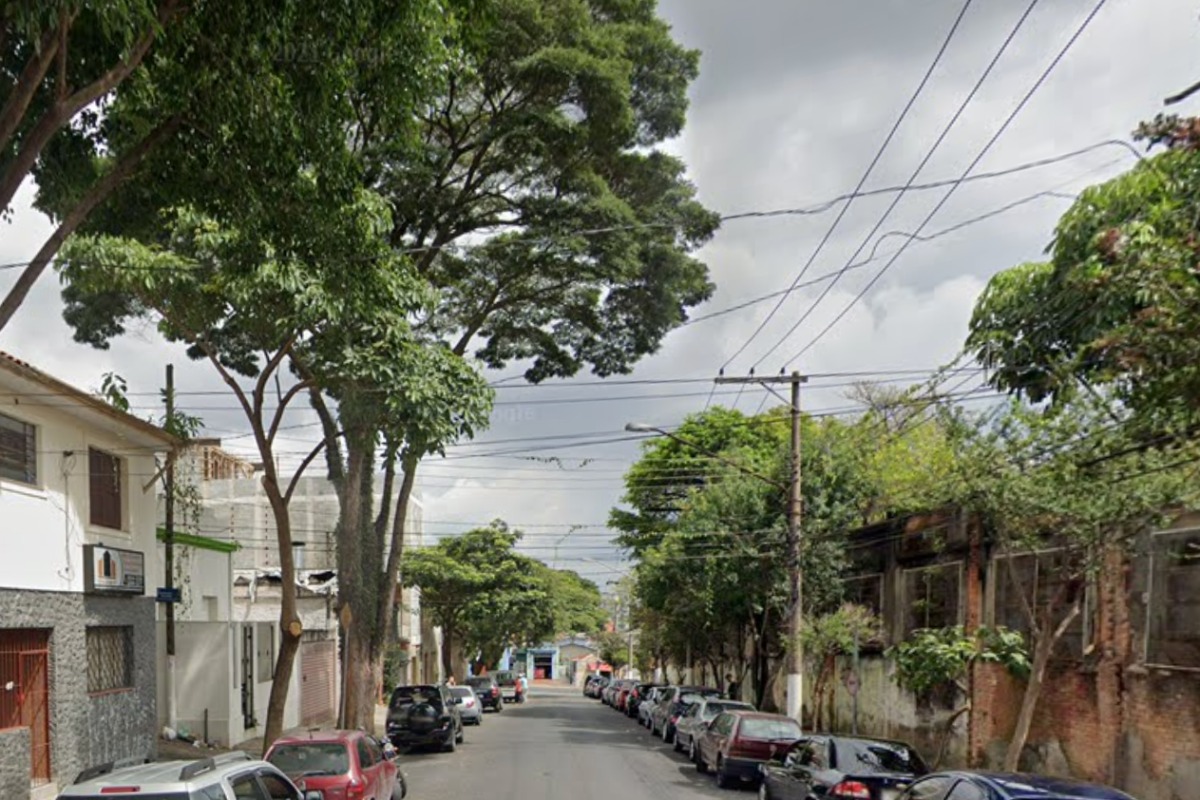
(318, 765)
(741, 746)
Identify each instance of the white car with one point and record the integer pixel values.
(470, 708)
(222, 777)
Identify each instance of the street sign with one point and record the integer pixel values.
(169, 595)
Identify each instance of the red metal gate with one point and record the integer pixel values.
(25, 691)
(318, 666)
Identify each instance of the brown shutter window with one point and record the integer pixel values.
(104, 481)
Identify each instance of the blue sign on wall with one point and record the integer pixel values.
(171, 595)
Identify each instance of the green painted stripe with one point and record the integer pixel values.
(201, 542)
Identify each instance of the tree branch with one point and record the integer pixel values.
(63, 111)
(1181, 96)
(96, 195)
(287, 398)
(22, 92)
(308, 459)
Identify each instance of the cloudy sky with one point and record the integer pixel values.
(793, 101)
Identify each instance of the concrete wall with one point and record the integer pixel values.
(205, 676)
(84, 729)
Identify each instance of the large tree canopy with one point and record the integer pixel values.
(1118, 303)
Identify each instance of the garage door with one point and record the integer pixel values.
(318, 662)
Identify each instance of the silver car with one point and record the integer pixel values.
(471, 709)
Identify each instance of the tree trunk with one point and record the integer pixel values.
(387, 609)
(1047, 638)
(358, 574)
(290, 628)
(946, 734)
(447, 651)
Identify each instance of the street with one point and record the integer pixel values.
(559, 744)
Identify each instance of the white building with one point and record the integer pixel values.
(227, 634)
(77, 522)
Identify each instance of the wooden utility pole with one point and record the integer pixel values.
(795, 648)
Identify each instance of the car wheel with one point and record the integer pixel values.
(668, 735)
(723, 779)
(458, 738)
(450, 744)
(692, 751)
(763, 792)
(701, 767)
(678, 744)
(399, 789)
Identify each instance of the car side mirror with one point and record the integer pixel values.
(314, 795)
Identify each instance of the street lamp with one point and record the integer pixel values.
(795, 685)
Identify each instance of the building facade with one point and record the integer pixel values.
(78, 503)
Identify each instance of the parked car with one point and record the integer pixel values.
(1001, 786)
(634, 701)
(646, 707)
(227, 775)
(738, 742)
(621, 698)
(340, 764)
(469, 706)
(696, 718)
(841, 767)
(609, 696)
(509, 686)
(667, 715)
(424, 715)
(595, 685)
(601, 685)
(488, 692)
(588, 683)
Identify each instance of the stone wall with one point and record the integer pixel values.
(14, 763)
(86, 730)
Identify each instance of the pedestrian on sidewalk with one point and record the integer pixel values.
(522, 688)
(450, 681)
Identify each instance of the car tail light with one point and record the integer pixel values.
(495, 691)
(355, 790)
(851, 790)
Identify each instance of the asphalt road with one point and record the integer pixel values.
(559, 745)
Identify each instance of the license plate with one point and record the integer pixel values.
(889, 794)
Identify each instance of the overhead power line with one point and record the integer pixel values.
(865, 176)
(929, 154)
(975, 162)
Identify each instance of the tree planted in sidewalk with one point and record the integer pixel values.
(537, 203)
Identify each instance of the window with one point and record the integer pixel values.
(933, 788)
(761, 728)
(109, 658)
(865, 590)
(1039, 577)
(1173, 635)
(965, 790)
(931, 596)
(104, 485)
(277, 788)
(365, 760)
(330, 757)
(246, 788)
(18, 450)
(264, 646)
(861, 756)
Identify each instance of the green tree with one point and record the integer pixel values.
(827, 636)
(1117, 305)
(483, 593)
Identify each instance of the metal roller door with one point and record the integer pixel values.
(318, 666)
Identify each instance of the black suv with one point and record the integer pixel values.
(424, 715)
(488, 692)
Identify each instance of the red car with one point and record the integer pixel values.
(342, 765)
(737, 743)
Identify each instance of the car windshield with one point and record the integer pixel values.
(461, 691)
(712, 709)
(479, 683)
(760, 728)
(856, 755)
(691, 697)
(414, 695)
(323, 758)
(505, 678)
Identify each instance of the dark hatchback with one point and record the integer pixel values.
(841, 767)
(1005, 786)
(488, 692)
(422, 716)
